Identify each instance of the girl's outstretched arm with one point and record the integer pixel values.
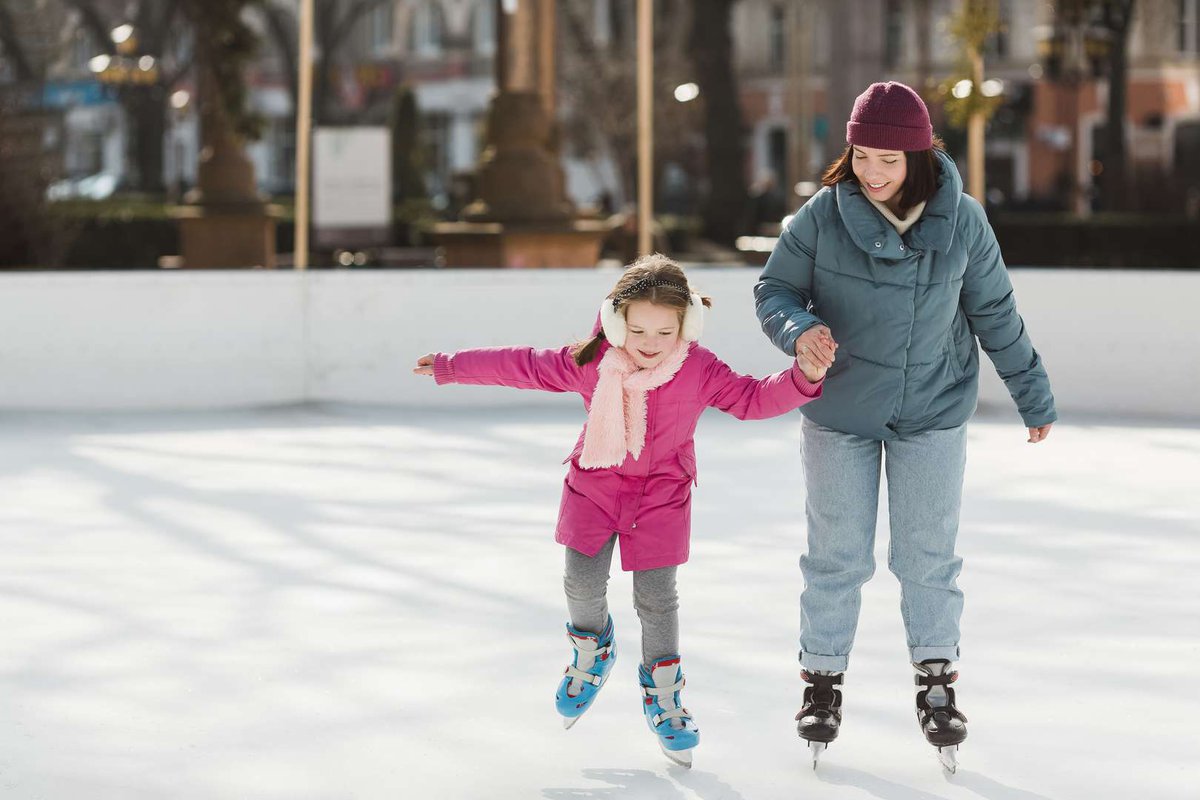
(518, 367)
(747, 397)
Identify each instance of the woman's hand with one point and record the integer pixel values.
(1039, 434)
(424, 365)
(815, 349)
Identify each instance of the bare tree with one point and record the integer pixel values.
(598, 92)
(12, 48)
(712, 55)
(333, 23)
(31, 234)
(1116, 18)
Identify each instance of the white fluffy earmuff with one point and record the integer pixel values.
(612, 322)
(693, 318)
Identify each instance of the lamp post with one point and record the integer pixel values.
(127, 72)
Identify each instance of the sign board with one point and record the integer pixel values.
(352, 186)
(70, 94)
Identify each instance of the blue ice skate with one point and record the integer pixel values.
(665, 714)
(594, 657)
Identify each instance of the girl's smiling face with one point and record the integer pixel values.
(651, 332)
(881, 173)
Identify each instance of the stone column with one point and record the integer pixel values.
(520, 179)
(223, 221)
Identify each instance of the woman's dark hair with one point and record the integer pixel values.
(919, 184)
(655, 278)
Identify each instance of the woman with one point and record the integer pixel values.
(887, 276)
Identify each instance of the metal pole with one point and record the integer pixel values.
(975, 165)
(303, 134)
(546, 26)
(645, 112)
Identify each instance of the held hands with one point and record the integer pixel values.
(815, 350)
(1039, 434)
(424, 365)
(815, 354)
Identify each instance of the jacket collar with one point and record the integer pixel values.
(875, 236)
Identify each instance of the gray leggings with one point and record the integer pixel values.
(654, 597)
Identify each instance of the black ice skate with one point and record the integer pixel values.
(819, 720)
(944, 726)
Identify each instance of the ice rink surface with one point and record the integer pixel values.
(347, 602)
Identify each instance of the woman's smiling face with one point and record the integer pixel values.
(881, 173)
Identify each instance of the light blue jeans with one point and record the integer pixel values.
(925, 479)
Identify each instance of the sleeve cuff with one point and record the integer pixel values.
(1038, 420)
(804, 385)
(443, 369)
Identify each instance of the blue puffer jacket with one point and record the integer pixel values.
(905, 311)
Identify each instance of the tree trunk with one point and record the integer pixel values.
(712, 57)
(12, 46)
(1114, 179)
(148, 126)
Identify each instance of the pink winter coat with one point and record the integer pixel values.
(646, 501)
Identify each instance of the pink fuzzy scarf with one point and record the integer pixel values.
(617, 417)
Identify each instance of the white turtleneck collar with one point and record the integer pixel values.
(901, 225)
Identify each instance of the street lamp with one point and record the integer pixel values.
(124, 67)
(992, 88)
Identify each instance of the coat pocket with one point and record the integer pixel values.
(575, 454)
(950, 353)
(687, 466)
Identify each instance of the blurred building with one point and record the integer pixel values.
(800, 65)
(442, 49)
(1043, 145)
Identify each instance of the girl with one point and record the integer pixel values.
(644, 382)
(906, 271)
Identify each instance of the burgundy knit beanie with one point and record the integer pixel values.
(890, 116)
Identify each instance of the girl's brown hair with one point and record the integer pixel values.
(655, 278)
(919, 184)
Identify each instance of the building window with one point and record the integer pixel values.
(998, 43)
(778, 38)
(483, 28)
(893, 33)
(427, 30)
(1189, 27)
(435, 149)
(383, 24)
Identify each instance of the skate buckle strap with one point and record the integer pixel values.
(935, 680)
(822, 680)
(575, 672)
(659, 691)
(674, 713)
(601, 652)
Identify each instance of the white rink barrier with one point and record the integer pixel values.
(1119, 342)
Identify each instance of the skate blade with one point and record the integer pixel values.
(816, 749)
(569, 721)
(949, 758)
(681, 757)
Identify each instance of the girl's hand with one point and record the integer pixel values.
(1039, 434)
(817, 347)
(424, 365)
(812, 371)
